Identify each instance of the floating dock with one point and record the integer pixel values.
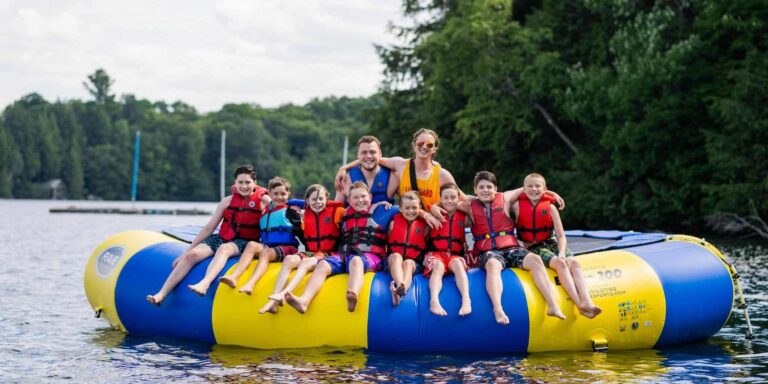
(132, 211)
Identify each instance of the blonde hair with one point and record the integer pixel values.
(278, 181)
(410, 195)
(316, 188)
(422, 131)
(535, 176)
(359, 185)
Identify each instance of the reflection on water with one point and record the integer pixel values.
(48, 333)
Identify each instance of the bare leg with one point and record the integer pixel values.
(495, 287)
(395, 261)
(223, 254)
(183, 265)
(587, 308)
(316, 281)
(356, 273)
(435, 285)
(290, 262)
(408, 267)
(560, 266)
(462, 283)
(533, 263)
(306, 265)
(265, 257)
(251, 249)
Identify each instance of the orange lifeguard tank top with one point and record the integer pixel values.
(429, 189)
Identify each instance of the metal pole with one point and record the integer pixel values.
(346, 149)
(223, 156)
(136, 166)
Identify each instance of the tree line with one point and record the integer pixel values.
(643, 114)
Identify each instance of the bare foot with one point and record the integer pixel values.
(155, 299)
(555, 312)
(277, 297)
(395, 296)
(401, 290)
(590, 310)
(466, 307)
(229, 281)
(199, 288)
(270, 306)
(295, 302)
(501, 317)
(351, 300)
(437, 309)
(247, 289)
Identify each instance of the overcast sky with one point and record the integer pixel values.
(204, 53)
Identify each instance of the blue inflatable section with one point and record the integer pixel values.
(674, 263)
(144, 274)
(415, 325)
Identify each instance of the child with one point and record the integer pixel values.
(536, 222)
(238, 214)
(407, 241)
(497, 246)
(321, 234)
(364, 241)
(447, 245)
(280, 226)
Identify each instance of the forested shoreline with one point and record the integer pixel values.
(643, 115)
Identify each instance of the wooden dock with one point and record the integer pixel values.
(132, 211)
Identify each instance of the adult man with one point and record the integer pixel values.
(378, 179)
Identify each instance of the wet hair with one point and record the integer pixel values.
(359, 185)
(427, 131)
(369, 139)
(316, 188)
(278, 181)
(485, 175)
(449, 186)
(410, 195)
(246, 169)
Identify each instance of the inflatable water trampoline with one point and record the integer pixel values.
(655, 290)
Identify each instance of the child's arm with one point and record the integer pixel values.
(342, 188)
(562, 241)
(214, 221)
(434, 219)
(513, 195)
(446, 177)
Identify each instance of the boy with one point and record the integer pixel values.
(239, 215)
(407, 242)
(280, 233)
(497, 246)
(536, 223)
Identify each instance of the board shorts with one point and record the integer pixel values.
(214, 241)
(385, 264)
(509, 257)
(547, 250)
(371, 262)
(281, 251)
(441, 257)
(319, 255)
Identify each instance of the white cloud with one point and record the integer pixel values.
(204, 53)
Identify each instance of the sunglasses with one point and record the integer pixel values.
(427, 144)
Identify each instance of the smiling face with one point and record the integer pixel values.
(534, 187)
(369, 155)
(317, 200)
(449, 199)
(244, 184)
(485, 191)
(409, 208)
(425, 146)
(360, 199)
(279, 195)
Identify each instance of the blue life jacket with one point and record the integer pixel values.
(380, 183)
(276, 228)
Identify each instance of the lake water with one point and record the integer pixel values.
(48, 332)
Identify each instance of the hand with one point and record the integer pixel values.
(339, 180)
(438, 212)
(432, 221)
(559, 200)
(387, 205)
(176, 260)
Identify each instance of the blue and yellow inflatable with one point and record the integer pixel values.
(655, 290)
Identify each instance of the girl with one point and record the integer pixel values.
(447, 245)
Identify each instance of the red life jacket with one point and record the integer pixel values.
(450, 236)
(362, 234)
(321, 233)
(534, 223)
(408, 238)
(492, 232)
(241, 217)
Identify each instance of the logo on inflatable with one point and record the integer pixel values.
(108, 260)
